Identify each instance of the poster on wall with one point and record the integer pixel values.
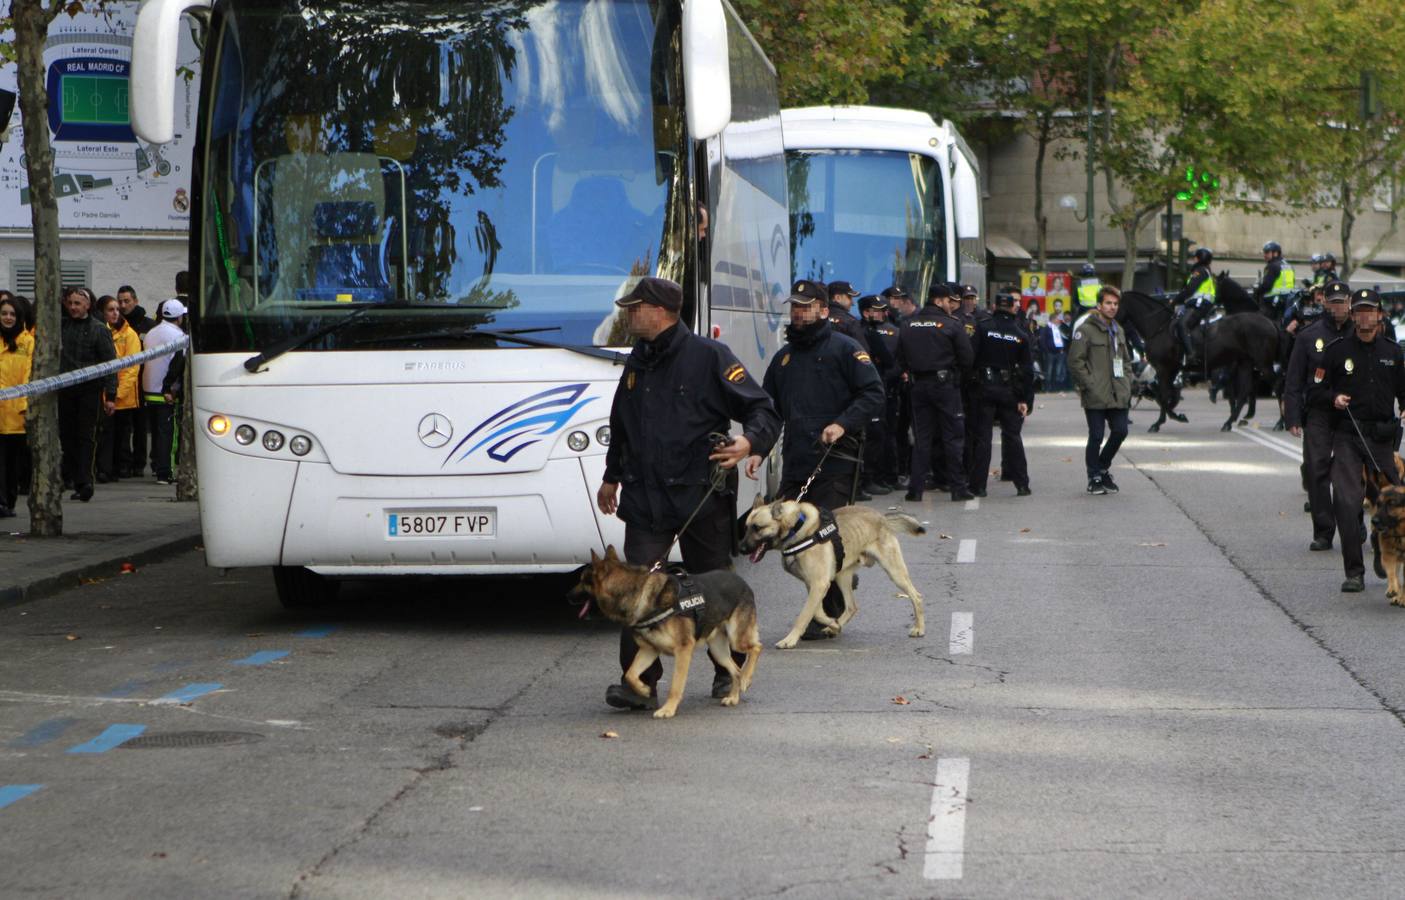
(105, 177)
(1041, 289)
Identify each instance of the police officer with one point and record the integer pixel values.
(880, 448)
(1004, 379)
(1277, 281)
(841, 304)
(900, 309)
(827, 391)
(1307, 406)
(935, 355)
(677, 389)
(1328, 272)
(1199, 290)
(1366, 371)
(1086, 295)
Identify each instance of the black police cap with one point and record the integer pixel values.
(969, 290)
(1336, 289)
(658, 291)
(896, 292)
(805, 292)
(938, 291)
(872, 301)
(1365, 297)
(842, 289)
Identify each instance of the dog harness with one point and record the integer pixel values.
(828, 533)
(690, 601)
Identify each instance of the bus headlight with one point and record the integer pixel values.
(272, 440)
(577, 440)
(218, 425)
(602, 435)
(301, 445)
(245, 434)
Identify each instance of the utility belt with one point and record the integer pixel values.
(940, 376)
(990, 375)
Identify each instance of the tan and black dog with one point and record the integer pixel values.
(1385, 506)
(722, 616)
(805, 541)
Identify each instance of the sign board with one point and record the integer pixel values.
(105, 177)
(1042, 288)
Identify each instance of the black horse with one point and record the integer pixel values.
(1153, 319)
(1244, 342)
(1237, 299)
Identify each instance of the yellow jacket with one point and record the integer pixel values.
(127, 342)
(14, 369)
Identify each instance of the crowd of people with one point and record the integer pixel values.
(111, 427)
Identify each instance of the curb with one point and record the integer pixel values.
(176, 540)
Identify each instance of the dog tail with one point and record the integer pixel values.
(902, 522)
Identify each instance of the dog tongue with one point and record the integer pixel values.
(758, 553)
(585, 608)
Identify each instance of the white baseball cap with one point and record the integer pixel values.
(173, 309)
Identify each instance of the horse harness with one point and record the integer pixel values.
(690, 601)
(828, 532)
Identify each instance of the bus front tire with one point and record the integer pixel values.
(300, 588)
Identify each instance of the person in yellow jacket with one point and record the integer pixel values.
(115, 457)
(16, 356)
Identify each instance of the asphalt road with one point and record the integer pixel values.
(1155, 694)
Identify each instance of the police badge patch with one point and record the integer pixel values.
(629, 381)
(785, 360)
(1078, 335)
(1318, 375)
(1350, 366)
(862, 357)
(736, 374)
(1320, 344)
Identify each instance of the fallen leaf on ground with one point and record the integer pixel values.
(1024, 531)
(71, 637)
(900, 700)
(945, 537)
(610, 734)
(924, 756)
(1067, 459)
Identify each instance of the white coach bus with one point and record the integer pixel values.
(410, 222)
(882, 197)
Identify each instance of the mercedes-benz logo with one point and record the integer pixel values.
(435, 431)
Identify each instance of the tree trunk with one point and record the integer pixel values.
(31, 28)
(1348, 225)
(1041, 224)
(1129, 251)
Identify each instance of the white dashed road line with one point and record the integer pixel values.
(963, 633)
(966, 553)
(1293, 453)
(946, 824)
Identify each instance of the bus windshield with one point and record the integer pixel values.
(510, 164)
(873, 218)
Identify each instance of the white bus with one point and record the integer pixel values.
(882, 197)
(410, 221)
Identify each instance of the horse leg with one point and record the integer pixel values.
(1250, 387)
(1162, 401)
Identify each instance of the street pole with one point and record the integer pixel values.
(1088, 154)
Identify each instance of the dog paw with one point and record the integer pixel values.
(730, 700)
(665, 712)
(786, 643)
(833, 629)
(914, 631)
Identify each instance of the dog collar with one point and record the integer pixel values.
(798, 522)
(827, 533)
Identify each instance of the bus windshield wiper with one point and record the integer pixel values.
(254, 362)
(513, 335)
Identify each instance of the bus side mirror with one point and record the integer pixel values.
(707, 79)
(152, 86)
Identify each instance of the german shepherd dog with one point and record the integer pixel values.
(726, 622)
(1385, 505)
(868, 537)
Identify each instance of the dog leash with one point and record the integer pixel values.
(829, 448)
(716, 481)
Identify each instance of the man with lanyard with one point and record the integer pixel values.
(1307, 407)
(935, 355)
(826, 390)
(1100, 361)
(1004, 370)
(677, 390)
(1198, 293)
(1277, 281)
(1086, 295)
(880, 448)
(1366, 372)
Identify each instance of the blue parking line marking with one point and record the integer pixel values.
(319, 632)
(114, 736)
(190, 692)
(42, 733)
(126, 689)
(262, 657)
(9, 793)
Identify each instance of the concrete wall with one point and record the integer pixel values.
(147, 263)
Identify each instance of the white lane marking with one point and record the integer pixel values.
(963, 633)
(966, 553)
(1294, 454)
(974, 504)
(1283, 442)
(946, 824)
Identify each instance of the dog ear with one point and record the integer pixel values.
(610, 554)
(778, 509)
(593, 558)
(758, 501)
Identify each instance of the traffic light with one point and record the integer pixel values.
(1199, 188)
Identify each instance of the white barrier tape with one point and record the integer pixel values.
(91, 373)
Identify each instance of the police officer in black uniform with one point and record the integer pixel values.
(677, 389)
(1366, 371)
(841, 304)
(827, 390)
(900, 309)
(880, 447)
(1004, 390)
(935, 355)
(1307, 406)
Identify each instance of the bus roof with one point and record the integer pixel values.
(864, 128)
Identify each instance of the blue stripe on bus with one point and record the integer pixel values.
(262, 657)
(114, 736)
(9, 793)
(42, 733)
(191, 692)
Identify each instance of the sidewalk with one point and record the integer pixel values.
(136, 521)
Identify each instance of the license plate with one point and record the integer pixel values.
(442, 523)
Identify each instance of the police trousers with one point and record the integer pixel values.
(937, 414)
(1317, 472)
(992, 404)
(1349, 455)
(880, 450)
(706, 547)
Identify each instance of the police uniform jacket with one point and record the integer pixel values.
(1192, 283)
(931, 341)
(848, 326)
(1090, 363)
(1002, 357)
(1306, 386)
(883, 347)
(825, 379)
(1265, 284)
(675, 391)
(1373, 375)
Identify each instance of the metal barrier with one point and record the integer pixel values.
(91, 373)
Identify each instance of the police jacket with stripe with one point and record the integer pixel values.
(1373, 375)
(675, 391)
(1271, 272)
(1306, 386)
(1002, 346)
(821, 378)
(932, 341)
(1198, 274)
(848, 326)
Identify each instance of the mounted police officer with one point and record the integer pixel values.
(1277, 281)
(841, 304)
(1085, 297)
(827, 391)
(676, 391)
(1004, 379)
(1307, 406)
(1198, 293)
(1328, 272)
(935, 355)
(1366, 370)
(880, 447)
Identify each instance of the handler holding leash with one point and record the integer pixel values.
(1367, 372)
(677, 389)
